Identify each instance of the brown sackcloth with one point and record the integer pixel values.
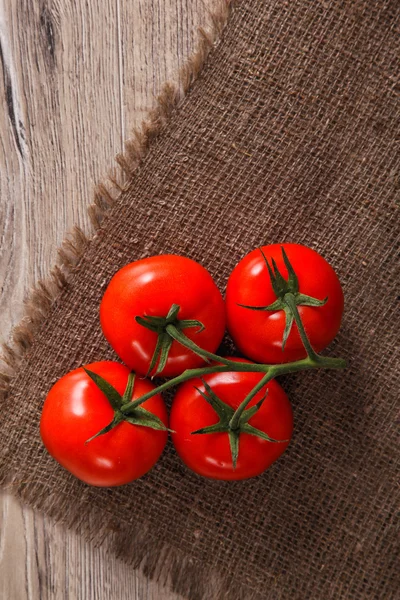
(288, 134)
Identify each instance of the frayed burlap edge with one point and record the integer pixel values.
(134, 544)
(38, 305)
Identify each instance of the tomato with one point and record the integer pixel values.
(259, 333)
(209, 454)
(149, 287)
(75, 410)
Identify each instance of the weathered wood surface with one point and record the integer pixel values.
(76, 77)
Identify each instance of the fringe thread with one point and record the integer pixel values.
(134, 544)
(39, 304)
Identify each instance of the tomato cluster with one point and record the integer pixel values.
(164, 316)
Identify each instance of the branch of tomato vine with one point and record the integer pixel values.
(271, 371)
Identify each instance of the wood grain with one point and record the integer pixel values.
(39, 561)
(76, 77)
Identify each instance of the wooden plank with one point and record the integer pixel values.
(40, 561)
(76, 78)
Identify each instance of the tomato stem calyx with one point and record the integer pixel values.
(285, 289)
(159, 325)
(139, 416)
(232, 422)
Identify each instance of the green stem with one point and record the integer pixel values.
(271, 370)
(234, 422)
(311, 362)
(180, 337)
(190, 374)
(290, 301)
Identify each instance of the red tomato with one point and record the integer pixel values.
(149, 287)
(259, 334)
(75, 410)
(209, 454)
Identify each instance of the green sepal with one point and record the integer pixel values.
(246, 428)
(108, 390)
(234, 446)
(288, 326)
(118, 418)
(150, 323)
(216, 428)
(164, 341)
(156, 354)
(173, 313)
(277, 305)
(165, 348)
(127, 397)
(187, 323)
(271, 274)
(304, 300)
(145, 418)
(293, 282)
(140, 416)
(223, 410)
(279, 283)
(280, 305)
(250, 412)
(160, 354)
(225, 414)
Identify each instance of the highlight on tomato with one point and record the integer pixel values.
(264, 292)
(83, 429)
(145, 297)
(208, 440)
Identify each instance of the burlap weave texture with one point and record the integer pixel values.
(289, 134)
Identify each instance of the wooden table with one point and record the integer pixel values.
(77, 76)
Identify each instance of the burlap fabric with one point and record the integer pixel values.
(289, 134)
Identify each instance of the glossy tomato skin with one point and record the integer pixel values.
(209, 454)
(150, 287)
(75, 409)
(258, 334)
